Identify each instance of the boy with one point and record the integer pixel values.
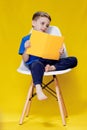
(40, 22)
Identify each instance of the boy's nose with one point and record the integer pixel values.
(44, 27)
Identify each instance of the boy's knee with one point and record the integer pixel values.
(74, 61)
(37, 64)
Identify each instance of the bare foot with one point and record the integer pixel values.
(49, 68)
(40, 94)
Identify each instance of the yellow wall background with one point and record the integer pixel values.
(15, 22)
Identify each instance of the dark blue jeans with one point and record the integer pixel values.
(37, 68)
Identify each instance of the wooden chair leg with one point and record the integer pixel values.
(62, 100)
(27, 103)
(62, 107)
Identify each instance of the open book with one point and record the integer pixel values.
(45, 45)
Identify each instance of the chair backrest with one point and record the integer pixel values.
(53, 30)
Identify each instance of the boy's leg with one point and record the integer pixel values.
(40, 94)
(37, 71)
(66, 63)
(61, 64)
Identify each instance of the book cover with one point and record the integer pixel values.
(45, 45)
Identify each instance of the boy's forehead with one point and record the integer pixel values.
(43, 19)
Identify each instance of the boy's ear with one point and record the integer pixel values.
(33, 23)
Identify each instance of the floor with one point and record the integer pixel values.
(42, 116)
(34, 122)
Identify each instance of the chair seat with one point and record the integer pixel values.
(27, 71)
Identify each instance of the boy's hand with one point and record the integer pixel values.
(27, 44)
(61, 51)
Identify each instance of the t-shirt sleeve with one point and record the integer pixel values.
(22, 48)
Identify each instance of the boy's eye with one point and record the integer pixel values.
(47, 26)
(42, 23)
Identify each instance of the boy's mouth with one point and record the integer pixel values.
(43, 30)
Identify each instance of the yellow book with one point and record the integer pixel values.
(45, 45)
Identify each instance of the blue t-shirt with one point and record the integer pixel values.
(22, 49)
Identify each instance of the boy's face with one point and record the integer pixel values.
(41, 24)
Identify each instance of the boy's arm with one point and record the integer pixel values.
(25, 56)
(61, 50)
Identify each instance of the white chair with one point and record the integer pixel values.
(24, 70)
